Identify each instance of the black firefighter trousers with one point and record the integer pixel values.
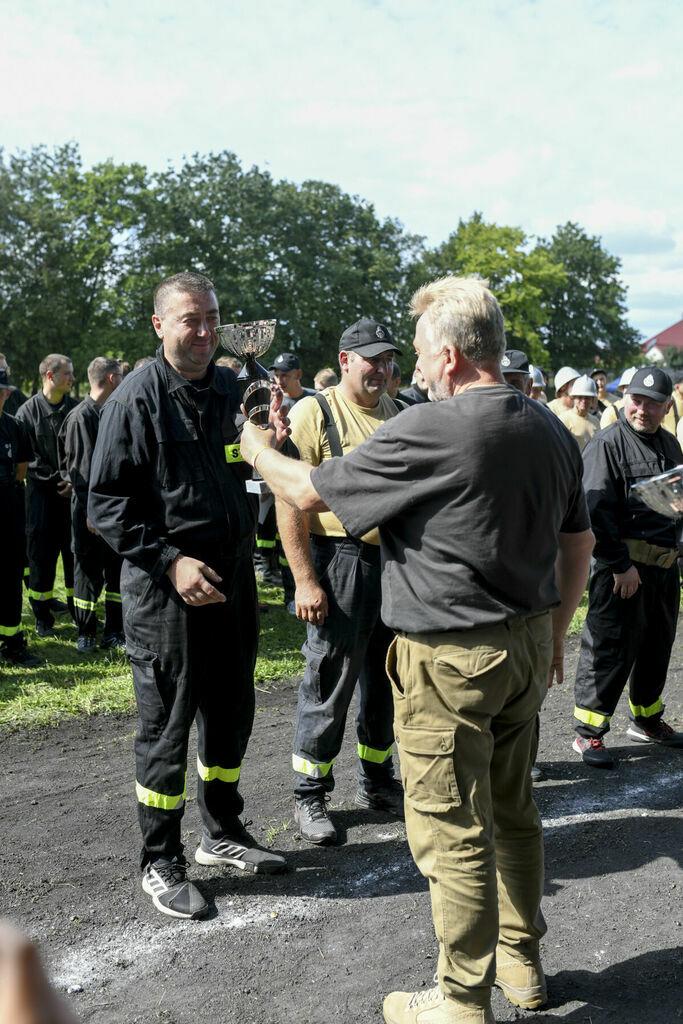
(625, 640)
(190, 664)
(94, 564)
(48, 526)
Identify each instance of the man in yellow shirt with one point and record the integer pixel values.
(338, 595)
(564, 379)
(578, 420)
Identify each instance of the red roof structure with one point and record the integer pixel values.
(671, 337)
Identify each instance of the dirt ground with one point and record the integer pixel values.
(346, 925)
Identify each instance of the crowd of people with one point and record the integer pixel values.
(436, 541)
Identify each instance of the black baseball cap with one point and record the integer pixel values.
(651, 382)
(4, 381)
(285, 362)
(515, 361)
(368, 338)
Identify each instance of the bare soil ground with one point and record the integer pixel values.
(346, 925)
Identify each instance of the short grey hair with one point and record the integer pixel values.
(186, 282)
(461, 311)
(100, 368)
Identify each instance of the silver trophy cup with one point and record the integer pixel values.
(664, 494)
(247, 341)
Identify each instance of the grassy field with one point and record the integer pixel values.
(71, 685)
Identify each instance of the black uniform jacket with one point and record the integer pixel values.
(43, 422)
(166, 477)
(615, 459)
(15, 447)
(76, 446)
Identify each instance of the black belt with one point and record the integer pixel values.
(367, 551)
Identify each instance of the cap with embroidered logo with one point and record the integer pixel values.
(515, 361)
(651, 382)
(285, 362)
(368, 338)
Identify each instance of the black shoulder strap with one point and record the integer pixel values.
(330, 426)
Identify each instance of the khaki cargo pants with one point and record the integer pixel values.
(466, 714)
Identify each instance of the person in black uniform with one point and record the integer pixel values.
(634, 591)
(15, 451)
(17, 397)
(94, 561)
(167, 492)
(48, 519)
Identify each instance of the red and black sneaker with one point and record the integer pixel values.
(655, 732)
(594, 752)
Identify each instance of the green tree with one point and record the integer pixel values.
(673, 357)
(522, 280)
(588, 322)
(65, 237)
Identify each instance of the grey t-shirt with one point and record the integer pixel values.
(470, 495)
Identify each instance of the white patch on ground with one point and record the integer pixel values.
(624, 801)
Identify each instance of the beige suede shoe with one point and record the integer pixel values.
(521, 981)
(430, 1006)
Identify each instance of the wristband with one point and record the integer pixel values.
(265, 448)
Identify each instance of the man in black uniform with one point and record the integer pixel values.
(94, 561)
(15, 451)
(16, 398)
(479, 539)
(634, 590)
(167, 493)
(48, 518)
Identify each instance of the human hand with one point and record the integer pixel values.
(626, 583)
(254, 439)
(92, 528)
(277, 417)
(190, 577)
(311, 603)
(64, 488)
(26, 996)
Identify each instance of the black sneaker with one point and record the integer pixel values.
(113, 642)
(594, 752)
(86, 644)
(387, 797)
(240, 850)
(20, 655)
(58, 607)
(172, 892)
(314, 821)
(44, 629)
(656, 732)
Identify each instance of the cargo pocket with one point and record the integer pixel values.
(428, 768)
(152, 693)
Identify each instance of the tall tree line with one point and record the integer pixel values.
(82, 249)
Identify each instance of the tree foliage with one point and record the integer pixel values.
(588, 322)
(82, 250)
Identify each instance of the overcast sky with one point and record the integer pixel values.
(534, 113)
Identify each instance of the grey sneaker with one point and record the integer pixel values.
(314, 821)
(656, 732)
(387, 797)
(240, 850)
(86, 644)
(172, 892)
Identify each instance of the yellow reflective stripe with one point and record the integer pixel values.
(264, 543)
(37, 596)
(376, 756)
(10, 630)
(642, 712)
(159, 800)
(87, 606)
(304, 767)
(111, 595)
(69, 591)
(233, 453)
(591, 717)
(283, 561)
(215, 772)
(27, 571)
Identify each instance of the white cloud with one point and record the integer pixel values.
(651, 69)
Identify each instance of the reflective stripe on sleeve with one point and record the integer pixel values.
(376, 756)
(111, 595)
(161, 801)
(264, 543)
(37, 596)
(69, 591)
(304, 767)
(640, 712)
(591, 717)
(86, 606)
(283, 562)
(216, 773)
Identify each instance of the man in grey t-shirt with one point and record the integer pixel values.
(485, 544)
